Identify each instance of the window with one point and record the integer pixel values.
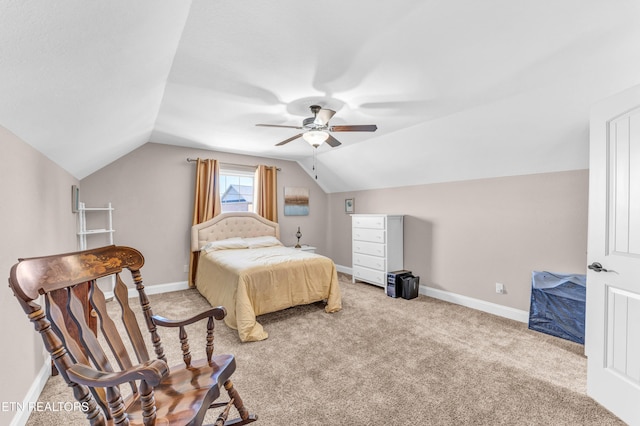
(236, 189)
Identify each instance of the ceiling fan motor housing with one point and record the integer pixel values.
(309, 123)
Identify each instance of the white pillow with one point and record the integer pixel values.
(228, 244)
(265, 241)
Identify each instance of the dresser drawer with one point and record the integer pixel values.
(369, 275)
(372, 235)
(372, 262)
(374, 249)
(373, 222)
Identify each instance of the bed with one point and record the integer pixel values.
(244, 267)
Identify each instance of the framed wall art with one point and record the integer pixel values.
(75, 198)
(296, 201)
(349, 205)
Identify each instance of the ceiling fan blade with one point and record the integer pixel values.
(289, 140)
(323, 116)
(356, 128)
(333, 142)
(279, 125)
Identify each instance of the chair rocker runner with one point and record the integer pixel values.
(180, 395)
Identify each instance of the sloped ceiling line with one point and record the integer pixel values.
(458, 90)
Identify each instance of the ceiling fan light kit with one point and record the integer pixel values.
(315, 137)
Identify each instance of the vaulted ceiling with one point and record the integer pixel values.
(458, 89)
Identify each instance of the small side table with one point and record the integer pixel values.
(308, 248)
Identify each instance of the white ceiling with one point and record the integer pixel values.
(459, 89)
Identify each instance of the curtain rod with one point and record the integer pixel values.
(193, 160)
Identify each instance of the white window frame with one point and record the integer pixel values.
(241, 172)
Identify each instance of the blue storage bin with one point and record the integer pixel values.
(558, 305)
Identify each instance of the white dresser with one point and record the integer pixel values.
(377, 247)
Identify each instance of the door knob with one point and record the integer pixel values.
(597, 267)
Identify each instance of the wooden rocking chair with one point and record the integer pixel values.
(180, 395)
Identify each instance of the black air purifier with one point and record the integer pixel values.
(410, 286)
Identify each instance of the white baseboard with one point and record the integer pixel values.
(344, 269)
(480, 305)
(22, 416)
(154, 289)
(469, 302)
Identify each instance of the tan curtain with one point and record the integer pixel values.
(266, 192)
(206, 202)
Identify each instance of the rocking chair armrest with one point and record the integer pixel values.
(218, 313)
(151, 372)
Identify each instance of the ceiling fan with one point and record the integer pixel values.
(317, 128)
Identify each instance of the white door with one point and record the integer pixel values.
(613, 276)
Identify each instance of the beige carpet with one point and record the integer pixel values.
(384, 361)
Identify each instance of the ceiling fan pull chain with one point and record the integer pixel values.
(314, 163)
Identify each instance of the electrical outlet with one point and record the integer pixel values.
(186, 268)
(500, 288)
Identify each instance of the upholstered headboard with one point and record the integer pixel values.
(228, 225)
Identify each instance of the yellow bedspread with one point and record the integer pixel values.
(256, 281)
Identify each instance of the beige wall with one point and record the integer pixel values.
(35, 220)
(151, 190)
(463, 237)
(460, 237)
